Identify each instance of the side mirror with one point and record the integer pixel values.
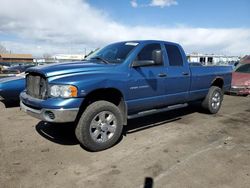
(157, 57)
(143, 63)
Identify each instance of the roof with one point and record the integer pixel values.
(16, 56)
(147, 41)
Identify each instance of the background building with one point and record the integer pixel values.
(16, 58)
(211, 59)
(68, 57)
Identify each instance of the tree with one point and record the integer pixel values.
(47, 56)
(3, 50)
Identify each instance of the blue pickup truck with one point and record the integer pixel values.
(121, 81)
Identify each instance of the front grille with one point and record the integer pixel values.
(36, 86)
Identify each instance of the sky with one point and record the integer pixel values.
(71, 26)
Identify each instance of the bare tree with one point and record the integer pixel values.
(47, 56)
(3, 50)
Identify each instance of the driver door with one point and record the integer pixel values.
(146, 82)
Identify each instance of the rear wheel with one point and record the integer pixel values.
(213, 100)
(100, 126)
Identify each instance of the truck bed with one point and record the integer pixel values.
(203, 76)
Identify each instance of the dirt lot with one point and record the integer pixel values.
(182, 148)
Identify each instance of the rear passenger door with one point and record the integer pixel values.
(177, 82)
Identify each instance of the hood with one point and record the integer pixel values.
(56, 69)
(240, 78)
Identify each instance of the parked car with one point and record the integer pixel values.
(121, 81)
(8, 65)
(4, 66)
(241, 80)
(11, 87)
(14, 70)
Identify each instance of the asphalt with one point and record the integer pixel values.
(181, 148)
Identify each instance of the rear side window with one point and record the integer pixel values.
(174, 55)
(146, 54)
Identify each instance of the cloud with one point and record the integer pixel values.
(163, 3)
(154, 3)
(134, 3)
(63, 26)
(46, 48)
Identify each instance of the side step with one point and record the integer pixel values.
(154, 111)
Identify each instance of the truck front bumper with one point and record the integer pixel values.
(51, 115)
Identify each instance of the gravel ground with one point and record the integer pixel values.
(181, 148)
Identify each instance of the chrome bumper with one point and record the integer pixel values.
(239, 90)
(51, 115)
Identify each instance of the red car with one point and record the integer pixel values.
(241, 79)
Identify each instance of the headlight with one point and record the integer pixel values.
(64, 91)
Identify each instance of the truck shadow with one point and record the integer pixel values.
(11, 104)
(64, 134)
(143, 123)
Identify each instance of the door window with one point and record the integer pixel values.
(147, 53)
(174, 55)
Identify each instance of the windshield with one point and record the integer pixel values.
(243, 68)
(114, 53)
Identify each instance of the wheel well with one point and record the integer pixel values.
(218, 82)
(108, 94)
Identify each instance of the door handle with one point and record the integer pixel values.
(185, 73)
(162, 74)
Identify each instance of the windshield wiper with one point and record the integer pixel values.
(102, 59)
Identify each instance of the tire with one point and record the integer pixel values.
(100, 126)
(213, 100)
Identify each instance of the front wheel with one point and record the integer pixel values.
(100, 126)
(213, 100)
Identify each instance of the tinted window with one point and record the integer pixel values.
(202, 59)
(174, 55)
(146, 54)
(243, 68)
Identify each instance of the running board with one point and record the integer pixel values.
(154, 111)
